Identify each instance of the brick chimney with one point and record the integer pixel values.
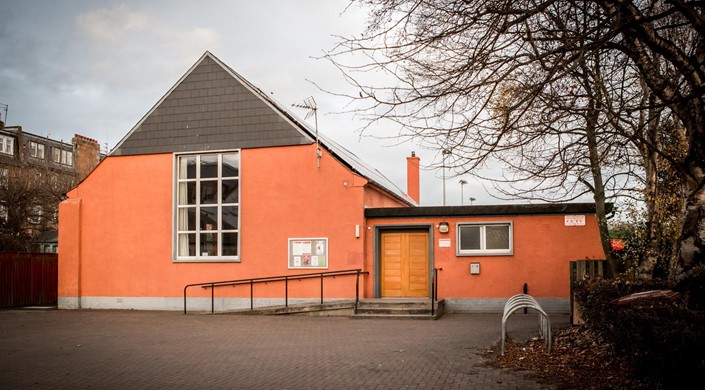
(412, 177)
(86, 153)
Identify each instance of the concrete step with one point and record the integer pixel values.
(384, 303)
(394, 310)
(368, 308)
(399, 309)
(396, 316)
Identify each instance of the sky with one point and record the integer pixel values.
(95, 68)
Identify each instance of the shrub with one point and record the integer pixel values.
(664, 340)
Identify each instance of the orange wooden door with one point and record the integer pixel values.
(404, 264)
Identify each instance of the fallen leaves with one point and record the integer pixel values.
(578, 360)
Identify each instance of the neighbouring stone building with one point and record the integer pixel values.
(35, 174)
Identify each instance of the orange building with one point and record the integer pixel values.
(219, 182)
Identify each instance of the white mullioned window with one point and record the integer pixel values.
(7, 145)
(207, 207)
(61, 156)
(36, 149)
(484, 239)
(66, 157)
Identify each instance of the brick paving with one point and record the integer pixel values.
(88, 349)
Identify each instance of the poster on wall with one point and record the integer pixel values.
(308, 253)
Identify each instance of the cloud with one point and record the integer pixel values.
(122, 45)
(111, 26)
(192, 42)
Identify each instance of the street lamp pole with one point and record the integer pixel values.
(462, 184)
(445, 153)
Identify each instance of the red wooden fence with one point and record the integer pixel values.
(28, 279)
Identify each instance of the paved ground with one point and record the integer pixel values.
(169, 350)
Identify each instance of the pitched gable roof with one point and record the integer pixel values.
(212, 107)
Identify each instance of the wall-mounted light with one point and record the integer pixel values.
(443, 227)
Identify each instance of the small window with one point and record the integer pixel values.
(66, 157)
(484, 239)
(4, 175)
(35, 215)
(61, 156)
(36, 150)
(7, 145)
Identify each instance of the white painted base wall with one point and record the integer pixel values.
(496, 305)
(452, 305)
(177, 304)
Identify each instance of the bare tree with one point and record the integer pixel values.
(29, 200)
(452, 59)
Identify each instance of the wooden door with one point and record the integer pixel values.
(404, 258)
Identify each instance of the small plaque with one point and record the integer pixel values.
(574, 220)
(444, 243)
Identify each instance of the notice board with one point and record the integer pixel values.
(308, 253)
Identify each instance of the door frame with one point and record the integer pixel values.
(401, 228)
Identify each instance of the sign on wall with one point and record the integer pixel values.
(574, 220)
(308, 253)
(444, 242)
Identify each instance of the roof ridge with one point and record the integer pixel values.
(342, 154)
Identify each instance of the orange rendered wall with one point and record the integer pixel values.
(543, 248)
(125, 244)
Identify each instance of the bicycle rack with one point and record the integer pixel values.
(520, 301)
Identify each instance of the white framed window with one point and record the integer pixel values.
(7, 145)
(36, 149)
(4, 176)
(35, 215)
(66, 157)
(207, 207)
(484, 239)
(61, 156)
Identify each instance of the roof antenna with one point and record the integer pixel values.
(310, 105)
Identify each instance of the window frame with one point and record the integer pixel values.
(36, 213)
(4, 177)
(66, 157)
(62, 156)
(483, 251)
(7, 145)
(199, 258)
(36, 150)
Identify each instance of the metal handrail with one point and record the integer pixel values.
(434, 290)
(284, 278)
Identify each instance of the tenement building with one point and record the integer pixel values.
(35, 174)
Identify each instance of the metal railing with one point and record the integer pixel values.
(434, 290)
(284, 278)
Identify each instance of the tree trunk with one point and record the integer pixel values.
(598, 189)
(692, 241)
(651, 191)
(691, 262)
